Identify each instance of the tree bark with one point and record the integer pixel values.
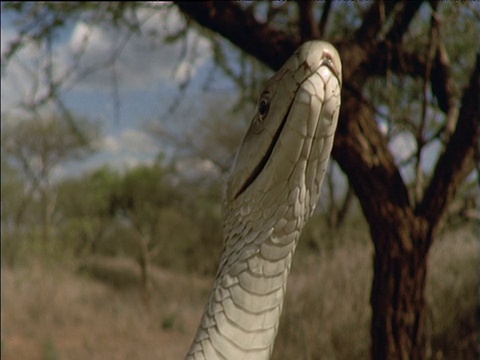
(397, 296)
(402, 231)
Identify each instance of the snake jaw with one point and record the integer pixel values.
(263, 161)
(272, 190)
(255, 158)
(328, 61)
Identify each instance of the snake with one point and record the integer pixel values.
(272, 190)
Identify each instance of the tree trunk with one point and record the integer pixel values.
(144, 261)
(397, 296)
(402, 231)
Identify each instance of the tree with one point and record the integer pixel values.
(15, 200)
(84, 209)
(410, 71)
(36, 147)
(402, 227)
(143, 192)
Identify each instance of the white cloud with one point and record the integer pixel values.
(130, 141)
(92, 42)
(197, 167)
(110, 144)
(18, 76)
(121, 151)
(402, 146)
(141, 63)
(184, 71)
(138, 141)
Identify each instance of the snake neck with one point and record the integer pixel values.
(273, 188)
(243, 312)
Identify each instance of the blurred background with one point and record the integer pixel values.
(119, 123)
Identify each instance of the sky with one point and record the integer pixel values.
(142, 87)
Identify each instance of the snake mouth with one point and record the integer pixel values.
(263, 161)
(328, 62)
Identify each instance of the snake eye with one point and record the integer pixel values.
(263, 107)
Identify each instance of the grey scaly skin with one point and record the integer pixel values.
(272, 190)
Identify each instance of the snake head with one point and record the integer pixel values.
(273, 188)
(296, 112)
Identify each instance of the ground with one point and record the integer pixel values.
(95, 309)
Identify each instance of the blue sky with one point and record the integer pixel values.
(147, 74)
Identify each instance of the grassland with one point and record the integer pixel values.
(95, 309)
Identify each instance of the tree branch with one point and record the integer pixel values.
(362, 153)
(359, 147)
(323, 20)
(443, 86)
(402, 20)
(306, 22)
(419, 131)
(460, 156)
(372, 43)
(270, 46)
(374, 20)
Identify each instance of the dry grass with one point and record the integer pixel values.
(327, 314)
(53, 312)
(452, 293)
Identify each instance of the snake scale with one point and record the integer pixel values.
(272, 190)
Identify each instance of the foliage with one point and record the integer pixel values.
(84, 209)
(36, 22)
(32, 150)
(37, 146)
(106, 212)
(88, 316)
(403, 219)
(409, 75)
